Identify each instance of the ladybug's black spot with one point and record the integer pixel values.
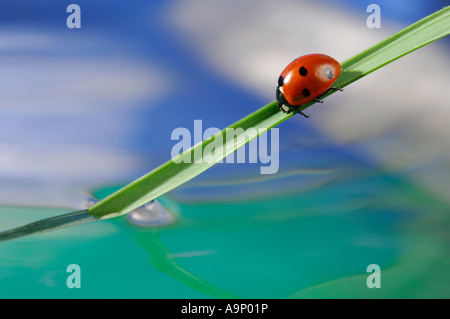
(303, 71)
(305, 92)
(280, 81)
(328, 73)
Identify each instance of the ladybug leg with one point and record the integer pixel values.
(326, 92)
(305, 115)
(286, 108)
(300, 112)
(332, 89)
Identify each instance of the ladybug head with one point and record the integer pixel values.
(282, 102)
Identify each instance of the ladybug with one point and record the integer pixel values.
(306, 79)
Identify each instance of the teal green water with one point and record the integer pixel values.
(314, 244)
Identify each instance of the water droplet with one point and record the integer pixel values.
(88, 202)
(150, 215)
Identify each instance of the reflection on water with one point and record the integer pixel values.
(315, 243)
(164, 260)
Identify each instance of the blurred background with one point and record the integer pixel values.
(83, 111)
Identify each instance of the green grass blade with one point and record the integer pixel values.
(170, 175)
(48, 224)
(413, 37)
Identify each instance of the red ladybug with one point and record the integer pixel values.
(305, 79)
